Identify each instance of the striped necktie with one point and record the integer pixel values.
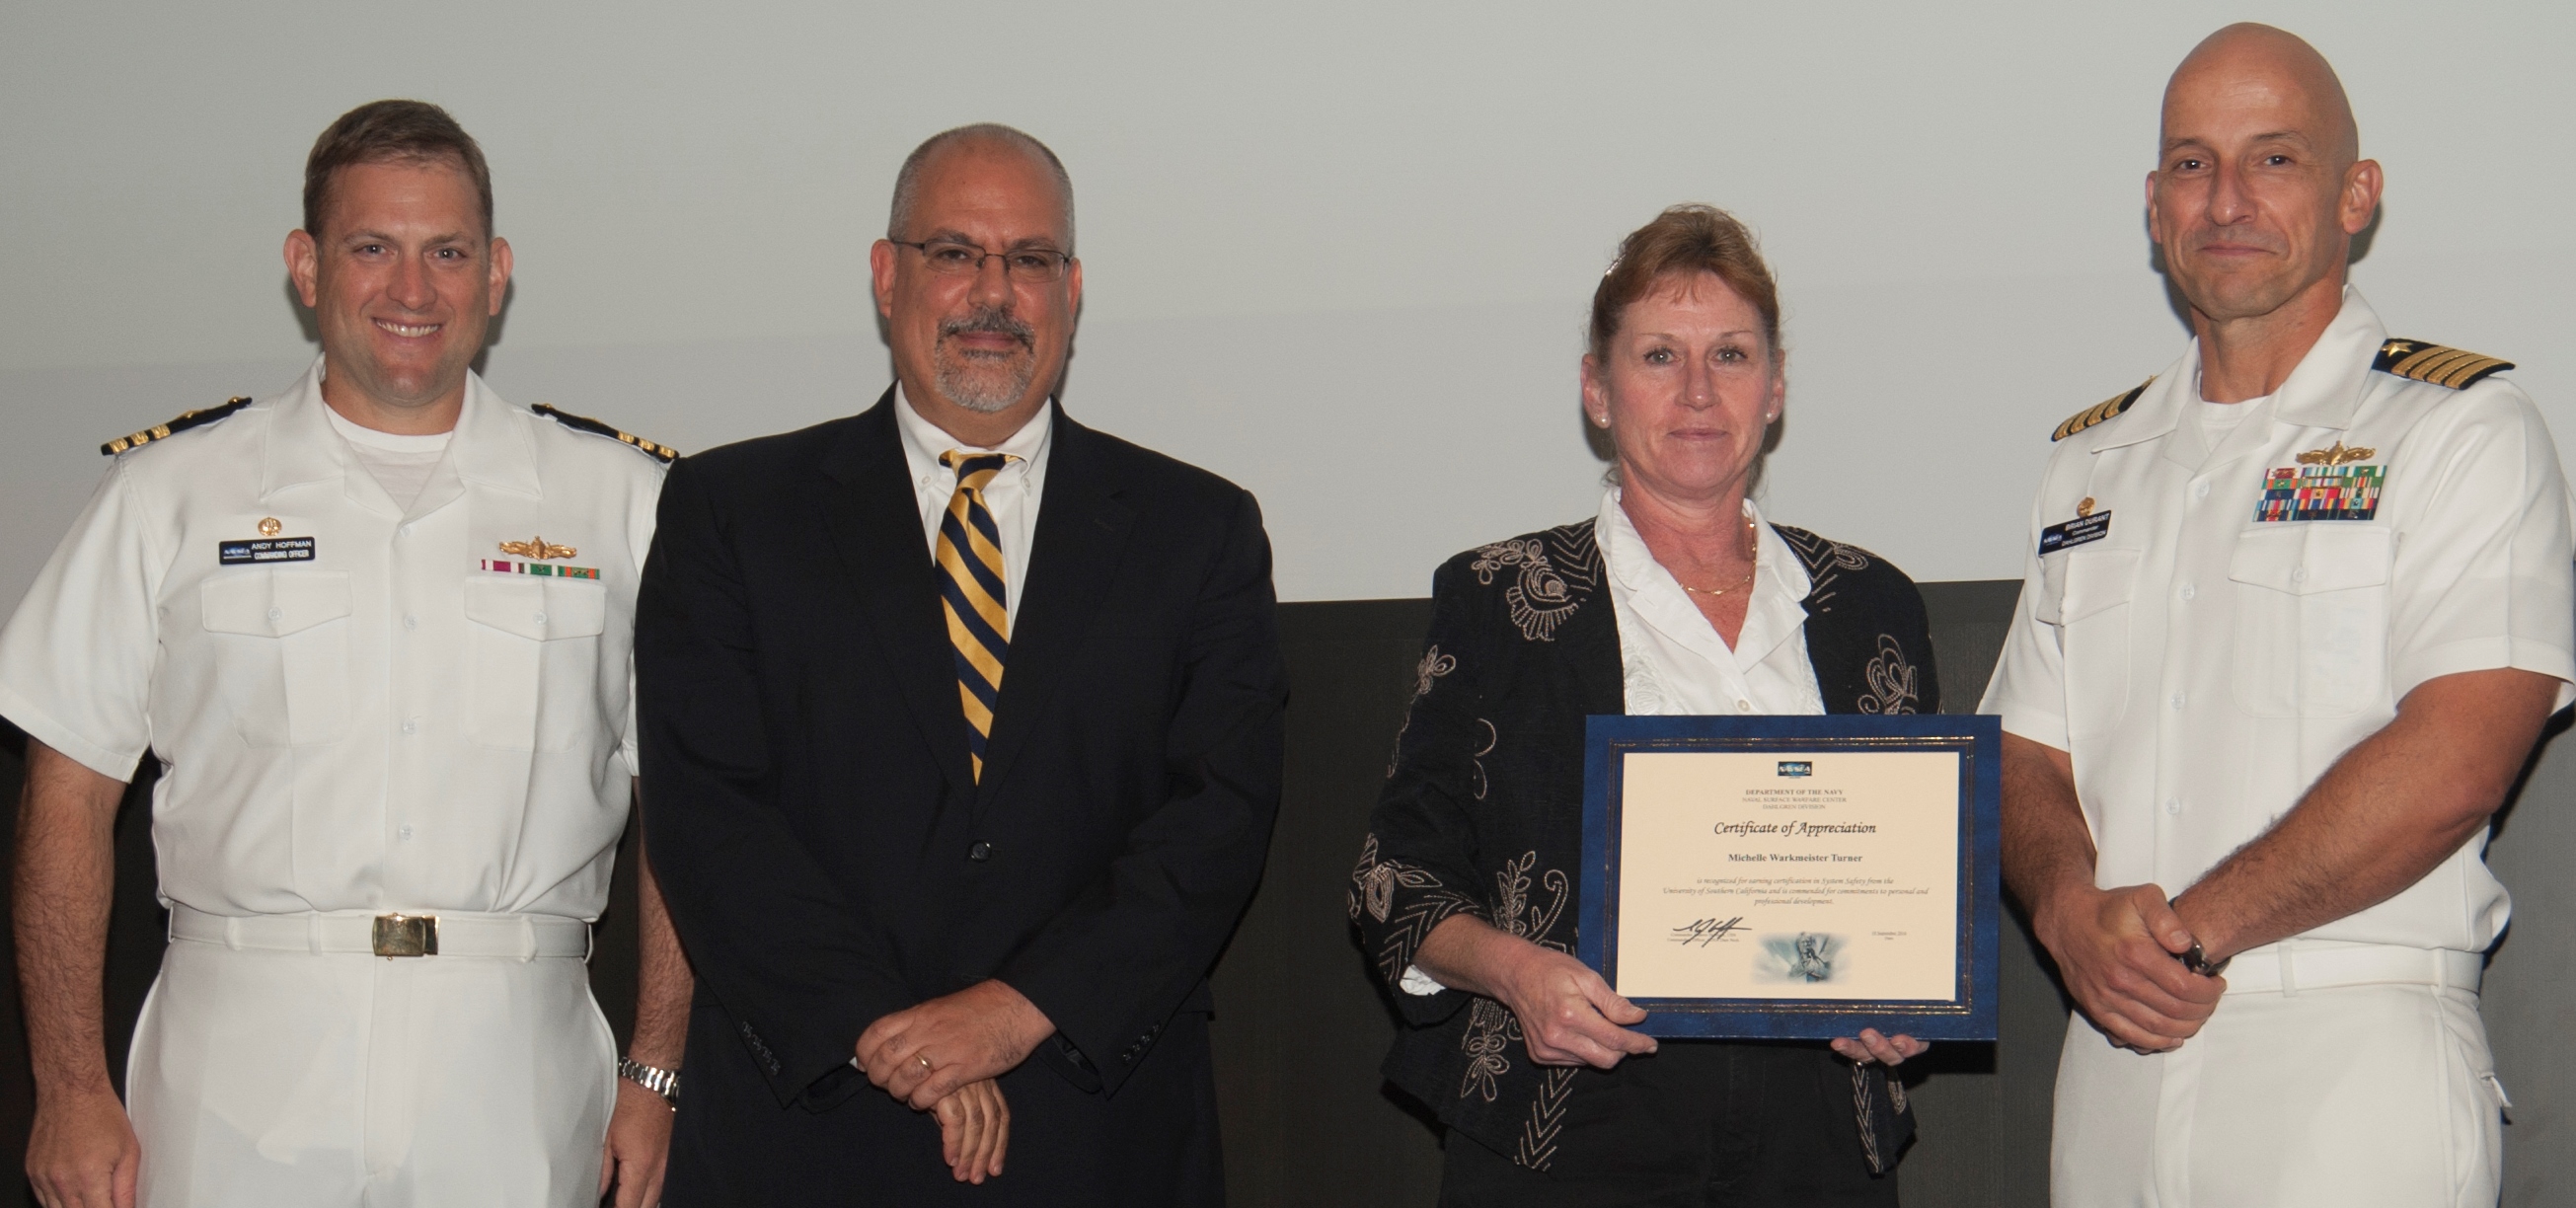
(973, 595)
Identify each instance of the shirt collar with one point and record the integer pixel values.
(2323, 391)
(1771, 617)
(924, 441)
(489, 449)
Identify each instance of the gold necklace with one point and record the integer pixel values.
(1749, 549)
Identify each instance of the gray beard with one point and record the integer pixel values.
(982, 387)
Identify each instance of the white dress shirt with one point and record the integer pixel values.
(384, 723)
(1012, 496)
(1672, 661)
(2204, 664)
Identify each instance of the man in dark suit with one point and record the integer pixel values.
(964, 727)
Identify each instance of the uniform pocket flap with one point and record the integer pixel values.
(273, 603)
(2097, 579)
(537, 609)
(2314, 556)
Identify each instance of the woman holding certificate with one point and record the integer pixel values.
(1677, 598)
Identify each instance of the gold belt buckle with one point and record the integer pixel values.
(406, 935)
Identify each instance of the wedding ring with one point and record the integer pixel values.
(923, 1058)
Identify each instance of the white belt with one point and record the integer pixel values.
(2289, 967)
(514, 936)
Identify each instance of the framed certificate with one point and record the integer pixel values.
(1796, 877)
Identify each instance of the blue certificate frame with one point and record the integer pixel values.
(1951, 1001)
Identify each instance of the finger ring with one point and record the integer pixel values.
(923, 1058)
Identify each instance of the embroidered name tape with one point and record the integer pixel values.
(270, 549)
(2074, 532)
(541, 568)
(2321, 492)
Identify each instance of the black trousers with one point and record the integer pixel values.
(1708, 1124)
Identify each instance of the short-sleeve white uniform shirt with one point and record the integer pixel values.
(396, 714)
(2244, 617)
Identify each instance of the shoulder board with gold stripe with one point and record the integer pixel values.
(584, 423)
(186, 420)
(2436, 364)
(2109, 408)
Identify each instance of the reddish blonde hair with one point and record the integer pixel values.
(1685, 241)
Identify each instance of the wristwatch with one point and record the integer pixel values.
(2198, 962)
(665, 1083)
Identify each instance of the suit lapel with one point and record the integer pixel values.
(875, 525)
(1082, 528)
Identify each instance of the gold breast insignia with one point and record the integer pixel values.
(537, 549)
(269, 527)
(2085, 508)
(2338, 455)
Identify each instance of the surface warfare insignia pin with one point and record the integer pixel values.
(269, 548)
(537, 548)
(2088, 525)
(2325, 485)
(540, 550)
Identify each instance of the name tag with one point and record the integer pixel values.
(267, 549)
(2074, 532)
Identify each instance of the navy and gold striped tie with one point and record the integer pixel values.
(973, 595)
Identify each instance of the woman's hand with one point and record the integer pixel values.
(1889, 1051)
(1568, 1015)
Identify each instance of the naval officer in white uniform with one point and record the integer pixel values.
(2294, 613)
(376, 630)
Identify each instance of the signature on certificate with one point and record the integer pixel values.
(1707, 931)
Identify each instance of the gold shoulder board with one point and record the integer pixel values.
(583, 423)
(2108, 408)
(2436, 364)
(186, 420)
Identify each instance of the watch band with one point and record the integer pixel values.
(665, 1083)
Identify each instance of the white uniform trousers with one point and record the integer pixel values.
(282, 1079)
(2351, 1076)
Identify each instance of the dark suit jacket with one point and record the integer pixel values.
(814, 822)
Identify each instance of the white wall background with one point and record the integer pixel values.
(1339, 252)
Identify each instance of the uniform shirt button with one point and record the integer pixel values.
(404, 531)
(403, 832)
(410, 621)
(2298, 574)
(1744, 706)
(411, 725)
(2201, 491)
(2186, 592)
(541, 618)
(276, 614)
(2173, 805)
(2177, 700)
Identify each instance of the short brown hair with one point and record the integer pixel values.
(1685, 241)
(391, 132)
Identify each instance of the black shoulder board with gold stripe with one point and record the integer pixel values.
(2108, 408)
(186, 420)
(586, 424)
(2436, 364)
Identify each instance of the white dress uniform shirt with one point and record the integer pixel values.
(1013, 494)
(2204, 659)
(1672, 661)
(388, 719)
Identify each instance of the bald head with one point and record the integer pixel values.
(2247, 66)
(2258, 188)
(982, 138)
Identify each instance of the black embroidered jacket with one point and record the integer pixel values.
(1483, 806)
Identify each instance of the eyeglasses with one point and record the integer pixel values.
(1032, 265)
